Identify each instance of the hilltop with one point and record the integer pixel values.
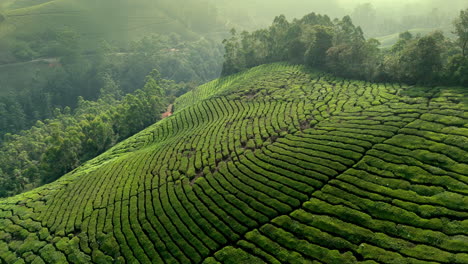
(276, 164)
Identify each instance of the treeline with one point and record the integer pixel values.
(340, 47)
(59, 84)
(53, 147)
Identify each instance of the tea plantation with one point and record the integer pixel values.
(279, 164)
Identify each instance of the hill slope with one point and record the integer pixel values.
(115, 20)
(278, 164)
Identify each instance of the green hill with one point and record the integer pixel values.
(123, 20)
(279, 164)
(118, 22)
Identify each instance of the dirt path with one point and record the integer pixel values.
(168, 112)
(47, 60)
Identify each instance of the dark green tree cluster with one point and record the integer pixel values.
(431, 59)
(56, 146)
(340, 47)
(461, 29)
(282, 41)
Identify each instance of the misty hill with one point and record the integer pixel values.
(118, 22)
(277, 164)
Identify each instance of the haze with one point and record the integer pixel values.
(384, 16)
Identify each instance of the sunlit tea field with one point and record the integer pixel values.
(278, 164)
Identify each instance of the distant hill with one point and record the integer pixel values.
(118, 22)
(278, 164)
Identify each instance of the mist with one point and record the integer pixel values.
(377, 17)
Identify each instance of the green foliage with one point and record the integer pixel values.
(421, 59)
(56, 146)
(457, 70)
(322, 41)
(58, 83)
(281, 41)
(341, 48)
(461, 30)
(23, 51)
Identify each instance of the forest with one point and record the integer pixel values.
(340, 47)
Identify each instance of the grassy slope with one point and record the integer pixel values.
(278, 164)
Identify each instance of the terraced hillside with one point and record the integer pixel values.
(279, 164)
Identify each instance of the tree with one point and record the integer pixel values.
(406, 35)
(22, 50)
(296, 46)
(62, 154)
(110, 90)
(461, 30)
(316, 53)
(233, 62)
(152, 86)
(351, 55)
(99, 136)
(421, 60)
(279, 38)
(457, 70)
(346, 32)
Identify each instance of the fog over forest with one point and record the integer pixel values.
(377, 17)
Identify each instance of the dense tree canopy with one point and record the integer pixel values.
(281, 41)
(340, 47)
(461, 29)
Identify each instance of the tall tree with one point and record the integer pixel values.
(110, 90)
(421, 60)
(233, 61)
(279, 36)
(461, 30)
(316, 53)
